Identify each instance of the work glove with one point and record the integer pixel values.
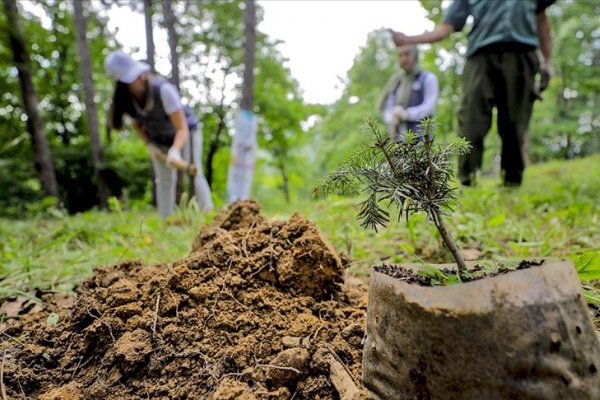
(400, 114)
(153, 151)
(546, 73)
(174, 155)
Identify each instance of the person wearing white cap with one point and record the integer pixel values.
(161, 121)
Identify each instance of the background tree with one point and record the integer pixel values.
(85, 68)
(249, 54)
(173, 38)
(149, 33)
(243, 147)
(35, 125)
(281, 111)
(212, 56)
(169, 20)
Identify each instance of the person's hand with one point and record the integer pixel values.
(153, 151)
(174, 155)
(400, 39)
(400, 113)
(546, 73)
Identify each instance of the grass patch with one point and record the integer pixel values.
(556, 213)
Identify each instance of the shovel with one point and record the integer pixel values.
(188, 168)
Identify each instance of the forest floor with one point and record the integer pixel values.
(555, 213)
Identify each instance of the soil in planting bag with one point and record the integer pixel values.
(522, 335)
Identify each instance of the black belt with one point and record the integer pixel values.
(505, 47)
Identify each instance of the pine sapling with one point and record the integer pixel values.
(411, 175)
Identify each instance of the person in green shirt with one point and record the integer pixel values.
(500, 71)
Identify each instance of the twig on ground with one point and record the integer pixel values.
(245, 239)
(278, 367)
(321, 325)
(339, 360)
(2, 388)
(155, 315)
(14, 339)
(76, 367)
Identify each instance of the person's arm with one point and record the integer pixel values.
(430, 96)
(454, 21)
(182, 131)
(545, 37)
(440, 32)
(172, 104)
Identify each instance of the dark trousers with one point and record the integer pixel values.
(505, 80)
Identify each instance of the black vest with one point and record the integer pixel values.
(417, 95)
(155, 121)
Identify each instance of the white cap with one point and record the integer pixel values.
(121, 67)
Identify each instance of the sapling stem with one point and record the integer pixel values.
(439, 223)
(450, 245)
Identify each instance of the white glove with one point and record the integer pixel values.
(153, 151)
(400, 113)
(173, 155)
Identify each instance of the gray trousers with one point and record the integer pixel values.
(166, 179)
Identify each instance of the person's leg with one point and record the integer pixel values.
(515, 105)
(165, 178)
(475, 114)
(201, 188)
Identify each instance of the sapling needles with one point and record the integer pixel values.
(411, 175)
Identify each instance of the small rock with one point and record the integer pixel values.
(296, 358)
(290, 341)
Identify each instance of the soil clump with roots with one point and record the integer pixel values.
(256, 311)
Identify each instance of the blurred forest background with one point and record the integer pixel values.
(298, 142)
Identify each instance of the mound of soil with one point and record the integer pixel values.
(254, 312)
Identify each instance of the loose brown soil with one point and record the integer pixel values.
(476, 272)
(256, 311)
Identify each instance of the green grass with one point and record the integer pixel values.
(556, 213)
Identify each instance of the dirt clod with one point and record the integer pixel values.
(242, 317)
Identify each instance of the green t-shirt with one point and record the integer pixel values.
(497, 21)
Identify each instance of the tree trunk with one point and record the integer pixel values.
(43, 159)
(173, 39)
(149, 33)
(214, 143)
(85, 70)
(249, 54)
(284, 179)
(150, 59)
(214, 147)
(172, 34)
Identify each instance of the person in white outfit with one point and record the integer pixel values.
(161, 121)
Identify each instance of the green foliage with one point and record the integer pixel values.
(565, 124)
(55, 69)
(588, 265)
(281, 111)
